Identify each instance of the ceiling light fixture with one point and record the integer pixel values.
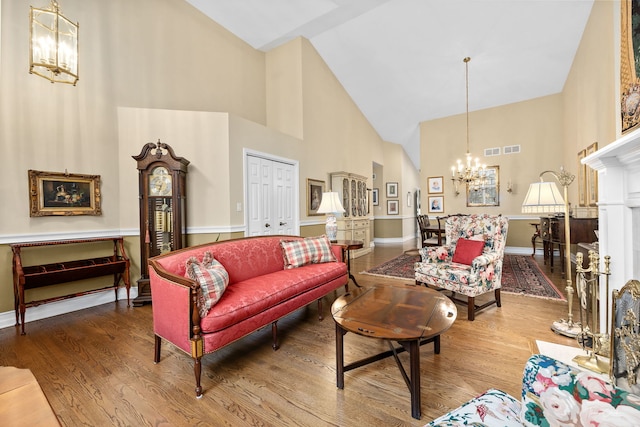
(53, 48)
(473, 173)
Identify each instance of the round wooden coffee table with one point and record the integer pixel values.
(408, 314)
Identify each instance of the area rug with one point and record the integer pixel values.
(520, 275)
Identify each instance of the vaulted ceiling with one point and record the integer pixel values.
(402, 60)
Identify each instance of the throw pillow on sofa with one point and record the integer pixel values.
(212, 278)
(310, 250)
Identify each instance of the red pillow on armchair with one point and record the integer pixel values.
(467, 250)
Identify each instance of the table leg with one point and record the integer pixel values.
(348, 255)
(340, 356)
(414, 361)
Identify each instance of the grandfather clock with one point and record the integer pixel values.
(162, 186)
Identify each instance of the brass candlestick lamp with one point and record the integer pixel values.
(544, 198)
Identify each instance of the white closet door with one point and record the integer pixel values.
(270, 197)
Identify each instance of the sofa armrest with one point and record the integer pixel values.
(174, 306)
(337, 252)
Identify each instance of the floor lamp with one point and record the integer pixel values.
(544, 198)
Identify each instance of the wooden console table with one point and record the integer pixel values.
(36, 276)
(552, 233)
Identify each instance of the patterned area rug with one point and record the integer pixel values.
(520, 275)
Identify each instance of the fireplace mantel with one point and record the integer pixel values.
(618, 166)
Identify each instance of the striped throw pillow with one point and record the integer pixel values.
(310, 250)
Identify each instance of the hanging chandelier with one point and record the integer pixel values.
(53, 48)
(471, 173)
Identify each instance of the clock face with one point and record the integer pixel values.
(160, 182)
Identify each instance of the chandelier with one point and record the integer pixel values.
(471, 173)
(53, 48)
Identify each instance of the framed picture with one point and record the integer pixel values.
(315, 188)
(582, 179)
(592, 179)
(392, 189)
(392, 207)
(436, 204)
(435, 184)
(487, 193)
(374, 197)
(53, 193)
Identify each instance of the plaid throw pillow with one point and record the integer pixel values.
(212, 278)
(310, 250)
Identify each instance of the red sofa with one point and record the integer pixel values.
(260, 292)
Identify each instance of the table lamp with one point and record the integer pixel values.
(330, 205)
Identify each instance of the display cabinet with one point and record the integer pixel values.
(162, 181)
(354, 223)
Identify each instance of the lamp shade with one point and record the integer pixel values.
(330, 203)
(543, 197)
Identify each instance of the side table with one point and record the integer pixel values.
(347, 246)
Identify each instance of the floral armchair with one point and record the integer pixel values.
(484, 272)
(553, 394)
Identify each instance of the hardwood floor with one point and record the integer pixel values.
(96, 367)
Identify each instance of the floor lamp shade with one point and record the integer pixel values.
(543, 197)
(330, 205)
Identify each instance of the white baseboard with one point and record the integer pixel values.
(56, 308)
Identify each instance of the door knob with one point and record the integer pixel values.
(267, 225)
(283, 223)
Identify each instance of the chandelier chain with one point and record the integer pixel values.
(471, 173)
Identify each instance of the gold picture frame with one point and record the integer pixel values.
(63, 194)
(582, 179)
(315, 188)
(435, 185)
(629, 81)
(487, 194)
(436, 204)
(592, 179)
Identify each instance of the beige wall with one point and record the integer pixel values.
(176, 76)
(551, 130)
(536, 125)
(591, 99)
(286, 102)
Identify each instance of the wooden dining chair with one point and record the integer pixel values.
(427, 237)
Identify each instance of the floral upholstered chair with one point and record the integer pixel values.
(553, 394)
(470, 262)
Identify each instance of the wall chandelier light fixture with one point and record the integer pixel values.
(53, 47)
(472, 173)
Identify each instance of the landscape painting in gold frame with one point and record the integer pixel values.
(592, 179)
(582, 177)
(64, 194)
